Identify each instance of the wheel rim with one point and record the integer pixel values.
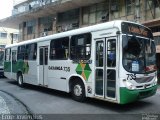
(77, 90)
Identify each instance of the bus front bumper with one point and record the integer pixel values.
(128, 96)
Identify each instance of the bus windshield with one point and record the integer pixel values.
(1, 57)
(139, 54)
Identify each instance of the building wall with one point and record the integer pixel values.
(16, 2)
(133, 10)
(6, 35)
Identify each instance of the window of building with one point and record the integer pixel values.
(30, 30)
(155, 29)
(151, 4)
(3, 35)
(115, 4)
(68, 20)
(15, 36)
(31, 51)
(95, 14)
(2, 46)
(31, 26)
(21, 52)
(20, 9)
(46, 23)
(157, 40)
(80, 47)
(157, 3)
(69, 15)
(130, 5)
(59, 48)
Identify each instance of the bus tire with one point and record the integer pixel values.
(20, 80)
(78, 91)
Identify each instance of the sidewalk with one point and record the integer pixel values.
(10, 105)
(3, 107)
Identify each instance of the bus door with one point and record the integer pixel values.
(105, 68)
(43, 65)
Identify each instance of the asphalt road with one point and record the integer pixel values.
(49, 102)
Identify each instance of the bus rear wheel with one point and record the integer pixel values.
(20, 80)
(78, 91)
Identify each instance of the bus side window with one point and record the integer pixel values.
(21, 52)
(80, 47)
(31, 51)
(59, 49)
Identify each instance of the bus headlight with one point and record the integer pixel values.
(129, 85)
(155, 81)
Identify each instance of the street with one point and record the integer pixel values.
(40, 100)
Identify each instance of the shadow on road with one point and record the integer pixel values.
(120, 108)
(128, 108)
(42, 89)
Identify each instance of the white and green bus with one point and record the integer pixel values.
(113, 61)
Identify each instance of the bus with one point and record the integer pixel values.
(1, 60)
(112, 61)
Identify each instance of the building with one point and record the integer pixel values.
(37, 18)
(8, 36)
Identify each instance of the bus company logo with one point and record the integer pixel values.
(66, 69)
(145, 86)
(82, 61)
(84, 70)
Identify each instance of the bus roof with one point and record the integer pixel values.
(106, 25)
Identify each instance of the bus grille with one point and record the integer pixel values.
(144, 79)
(145, 93)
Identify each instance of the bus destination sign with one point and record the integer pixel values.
(134, 29)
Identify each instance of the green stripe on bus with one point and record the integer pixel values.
(17, 66)
(128, 96)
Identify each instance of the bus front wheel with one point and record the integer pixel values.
(78, 91)
(20, 80)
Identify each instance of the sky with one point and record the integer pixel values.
(6, 7)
